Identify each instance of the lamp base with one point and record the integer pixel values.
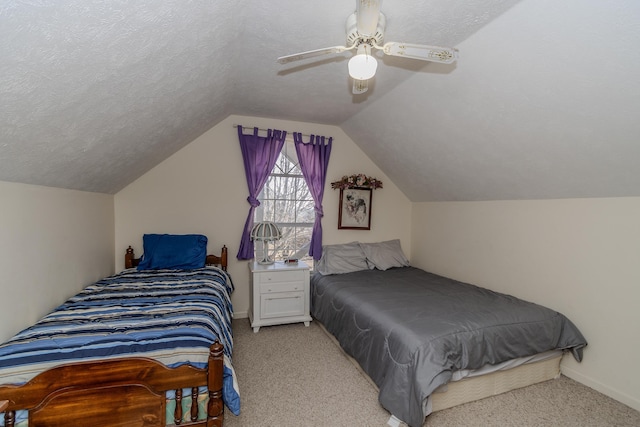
(265, 254)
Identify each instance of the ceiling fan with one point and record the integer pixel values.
(365, 32)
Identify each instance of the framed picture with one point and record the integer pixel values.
(355, 209)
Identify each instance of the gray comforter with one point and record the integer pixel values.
(409, 330)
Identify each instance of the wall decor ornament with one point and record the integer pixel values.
(359, 180)
(354, 212)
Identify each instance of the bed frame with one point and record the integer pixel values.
(118, 392)
(477, 387)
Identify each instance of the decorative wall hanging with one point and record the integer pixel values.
(359, 180)
(354, 212)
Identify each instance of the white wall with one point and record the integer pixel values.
(53, 242)
(580, 257)
(202, 189)
(577, 256)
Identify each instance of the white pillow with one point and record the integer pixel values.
(342, 258)
(385, 255)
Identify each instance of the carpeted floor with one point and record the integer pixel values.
(294, 376)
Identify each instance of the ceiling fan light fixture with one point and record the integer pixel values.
(362, 66)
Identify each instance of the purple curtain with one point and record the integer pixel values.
(314, 159)
(259, 154)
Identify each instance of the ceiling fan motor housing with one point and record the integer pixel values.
(354, 37)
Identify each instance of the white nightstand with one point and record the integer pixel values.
(279, 293)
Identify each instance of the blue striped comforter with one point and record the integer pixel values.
(172, 316)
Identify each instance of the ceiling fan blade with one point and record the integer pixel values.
(367, 12)
(360, 86)
(444, 55)
(311, 54)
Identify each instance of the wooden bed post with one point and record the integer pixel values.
(223, 257)
(215, 408)
(128, 258)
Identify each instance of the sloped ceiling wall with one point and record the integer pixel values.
(542, 103)
(96, 93)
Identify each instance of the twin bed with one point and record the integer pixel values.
(150, 346)
(413, 332)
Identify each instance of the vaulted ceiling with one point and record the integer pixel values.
(544, 101)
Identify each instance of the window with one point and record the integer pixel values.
(286, 200)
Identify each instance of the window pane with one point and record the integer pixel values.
(269, 190)
(306, 211)
(303, 237)
(268, 209)
(286, 245)
(285, 211)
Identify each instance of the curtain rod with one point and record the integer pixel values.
(266, 130)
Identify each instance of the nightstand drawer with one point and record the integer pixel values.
(282, 304)
(266, 288)
(282, 276)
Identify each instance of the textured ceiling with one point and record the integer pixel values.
(543, 102)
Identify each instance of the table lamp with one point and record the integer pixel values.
(265, 232)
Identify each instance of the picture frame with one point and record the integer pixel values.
(354, 212)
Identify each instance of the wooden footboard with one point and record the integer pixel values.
(118, 392)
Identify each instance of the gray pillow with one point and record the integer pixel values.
(385, 255)
(342, 258)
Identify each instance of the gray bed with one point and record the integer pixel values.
(410, 330)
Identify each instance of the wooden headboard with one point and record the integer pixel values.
(131, 261)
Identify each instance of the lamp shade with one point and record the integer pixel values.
(266, 231)
(362, 67)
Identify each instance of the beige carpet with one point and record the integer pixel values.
(293, 376)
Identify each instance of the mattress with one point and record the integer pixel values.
(410, 330)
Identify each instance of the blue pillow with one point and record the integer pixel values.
(172, 251)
